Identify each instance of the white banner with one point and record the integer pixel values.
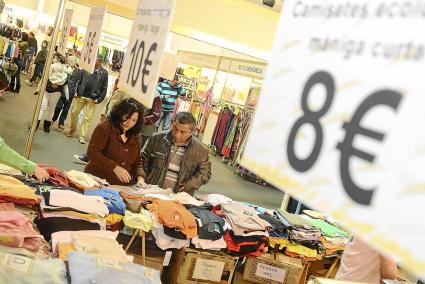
(339, 120)
(142, 61)
(63, 40)
(91, 39)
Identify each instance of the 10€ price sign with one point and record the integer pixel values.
(142, 61)
(63, 40)
(339, 123)
(91, 39)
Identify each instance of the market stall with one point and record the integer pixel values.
(76, 219)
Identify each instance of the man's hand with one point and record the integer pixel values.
(96, 101)
(122, 174)
(141, 182)
(40, 174)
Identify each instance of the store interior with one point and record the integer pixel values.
(221, 64)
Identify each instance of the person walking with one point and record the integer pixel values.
(32, 50)
(15, 80)
(91, 90)
(39, 61)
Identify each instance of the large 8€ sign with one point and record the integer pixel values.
(63, 40)
(142, 61)
(340, 120)
(91, 39)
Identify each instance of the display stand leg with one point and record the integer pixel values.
(143, 235)
(136, 232)
(332, 268)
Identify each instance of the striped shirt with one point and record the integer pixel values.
(176, 157)
(169, 95)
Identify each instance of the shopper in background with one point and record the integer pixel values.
(39, 61)
(175, 159)
(56, 88)
(15, 80)
(114, 148)
(361, 263)
(91, 90)
(32, 50)
(63, 105)
(151, 117)
(11, 158)
(169, 92)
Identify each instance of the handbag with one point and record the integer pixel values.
(51, 88)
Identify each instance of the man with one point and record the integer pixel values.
(175, 159)
(361, 263)
(169, 91)
(90, 91)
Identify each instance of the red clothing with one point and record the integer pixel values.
(56, 176)
(154, 113)
(107, 150)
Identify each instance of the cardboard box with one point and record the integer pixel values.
(189, 266)
(273, 269)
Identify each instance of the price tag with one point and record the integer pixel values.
(91, 39)
(63, 40)
(18, 263)
(270, 272)
(208, 270)
(339, 123)
(142, 61)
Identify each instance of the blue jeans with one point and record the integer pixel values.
(31, 53)
(165, 118)
(38, 70)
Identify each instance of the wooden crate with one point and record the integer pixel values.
(185, 261)
(273, 269)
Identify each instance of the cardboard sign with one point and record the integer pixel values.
(91, 39)
(339, 123)
(63, 40)
(18, 263)
(142, 61)
(270, 272)
(208, 270)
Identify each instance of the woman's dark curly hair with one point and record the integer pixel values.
(123, 111)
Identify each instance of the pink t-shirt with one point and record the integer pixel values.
(360, 263)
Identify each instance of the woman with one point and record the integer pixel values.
(56, 87)
(39, 61)
(9, 157)
(15, 82)
(114, 148)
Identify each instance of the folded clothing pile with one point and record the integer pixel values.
(15, 191)
(85, 268)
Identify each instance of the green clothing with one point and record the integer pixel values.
(328, 230)
(11, 158)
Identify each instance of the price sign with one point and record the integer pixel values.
(142, 61)
(63, 40)
(209, 270)
(91, 39)
(339, 123)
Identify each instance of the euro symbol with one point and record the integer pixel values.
(384, 97)
(148, 62)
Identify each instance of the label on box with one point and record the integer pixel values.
(208, 270)
(271, 272)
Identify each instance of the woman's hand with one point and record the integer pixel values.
(40, 174)
(122, 174)
(141, 182)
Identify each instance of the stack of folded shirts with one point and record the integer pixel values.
(86, 268)
(211, 228)
(66, 210)
(17, 231)
(249, 233)
(142, 221)
(14, 191)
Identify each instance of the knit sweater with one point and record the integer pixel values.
(107, 150)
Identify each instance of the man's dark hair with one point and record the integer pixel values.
(24, 36)
(123, 111)
(185, 118)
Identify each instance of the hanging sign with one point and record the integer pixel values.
(339, 123)
(91, 39)
(63, 40)
(142, 61)
(249, 69)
